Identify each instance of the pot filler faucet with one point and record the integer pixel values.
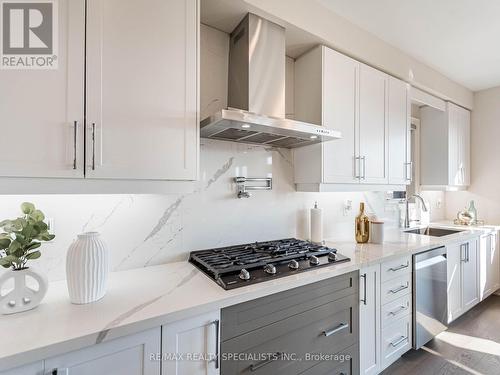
(407, 214)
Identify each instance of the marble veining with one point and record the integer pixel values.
(103, 333)
(164, 218)
(219, 172)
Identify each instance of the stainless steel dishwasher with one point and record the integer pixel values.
(430, 302)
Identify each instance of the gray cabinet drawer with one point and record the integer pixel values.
(248, 316)
(326, 329)
(343, 363)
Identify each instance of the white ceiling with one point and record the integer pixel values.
(459, 38)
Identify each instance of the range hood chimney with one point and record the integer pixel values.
(256, 92)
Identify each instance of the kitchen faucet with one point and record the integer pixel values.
(407, 214)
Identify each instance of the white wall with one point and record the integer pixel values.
(485, 160)
(346, 37)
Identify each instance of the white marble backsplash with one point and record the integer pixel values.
(142, 230)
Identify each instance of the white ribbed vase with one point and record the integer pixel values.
(87, 268)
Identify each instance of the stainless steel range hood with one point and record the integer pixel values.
(256, 92)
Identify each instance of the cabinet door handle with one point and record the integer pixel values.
(357, 167)
(463, 253)
(363, 158)
(75, 133)
(408, 175)
(398, 311)
(399, 289)
(399, 341)
(93, 146)
(265, 362)
(216, 323)
(364, 288)
(394, 269)
(467, 249)
(333, 331)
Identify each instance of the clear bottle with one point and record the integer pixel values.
(472, 212)
(362, 225)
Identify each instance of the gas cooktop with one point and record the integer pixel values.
(236, 266)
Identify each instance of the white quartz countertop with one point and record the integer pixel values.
(144, 298)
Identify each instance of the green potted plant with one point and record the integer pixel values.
(20, 240)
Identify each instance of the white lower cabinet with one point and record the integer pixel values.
(463, 277)
(186, 347)
(489, 267)
(129, 355)
(385, 314)
(191, 346)
(369, 322)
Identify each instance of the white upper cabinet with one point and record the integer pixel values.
(339, 113)
(373, 132)
(41, 111)
(142, 96)
(445, 147)
(400, 163)
(140, 62)
(340, 93)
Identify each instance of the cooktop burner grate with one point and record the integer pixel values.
(226, 264)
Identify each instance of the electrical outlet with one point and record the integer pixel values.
(438, 204)
(50, 224)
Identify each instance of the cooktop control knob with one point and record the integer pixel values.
(313, 260)
(270, 269)
(244, 275)
(332, 257)
(293, 265)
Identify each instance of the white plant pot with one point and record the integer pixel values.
(17, 293)
(87, 268)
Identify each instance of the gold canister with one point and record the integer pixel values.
(362, 225)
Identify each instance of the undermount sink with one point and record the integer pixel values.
(433, 232)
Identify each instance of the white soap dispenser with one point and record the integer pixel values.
(316, 224)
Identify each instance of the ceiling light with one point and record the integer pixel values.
(313, 136)
(245, 126)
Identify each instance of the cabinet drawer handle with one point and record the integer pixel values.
(399, 341)
(398, 311)
(399, 289)
(332, 331)
(403, 266)
(265, 362)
